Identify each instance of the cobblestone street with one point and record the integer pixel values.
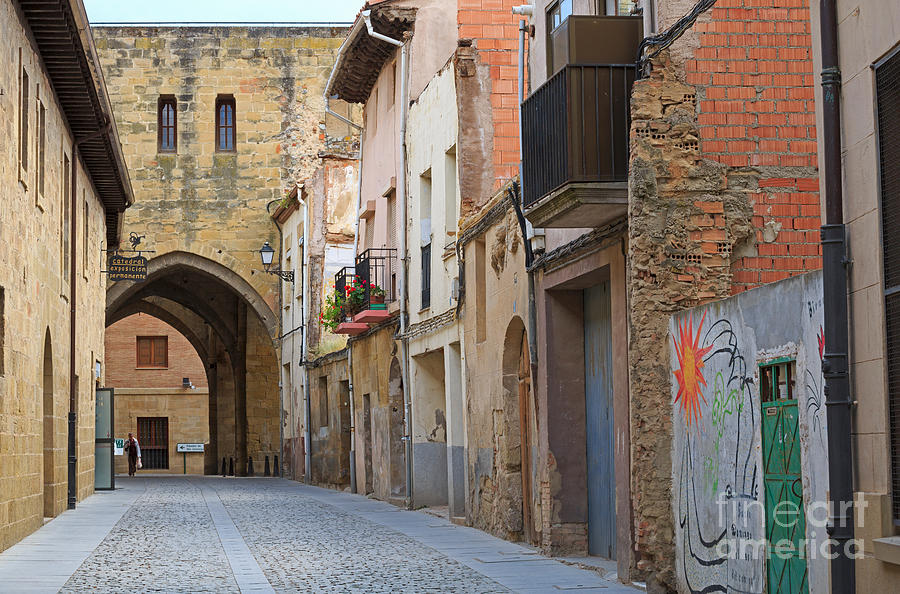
(203, 534)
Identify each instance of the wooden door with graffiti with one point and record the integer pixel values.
(786, 568)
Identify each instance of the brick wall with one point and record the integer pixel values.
(121, 356)
(754, 73)
(495, 33)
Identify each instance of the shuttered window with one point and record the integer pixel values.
(152, 351)
(887, 84)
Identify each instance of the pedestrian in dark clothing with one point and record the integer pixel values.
(134, 454)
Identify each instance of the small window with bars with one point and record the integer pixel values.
(225, 124)
(167, 129)
(887, 89)
(153, 436)
(153, 352)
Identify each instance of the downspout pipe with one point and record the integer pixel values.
(280, 331)
(519, 200)
(304, 339)
(359, 178)
(835, 364)
(401, 205)
(72, 446)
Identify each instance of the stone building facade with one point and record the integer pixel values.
(62, 189)
(221, 123)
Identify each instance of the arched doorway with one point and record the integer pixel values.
(233, 330)
(397, 446)
(519, 412)
(49, 430)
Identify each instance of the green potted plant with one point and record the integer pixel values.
(332, 312)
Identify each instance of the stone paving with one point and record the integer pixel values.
(206, 534)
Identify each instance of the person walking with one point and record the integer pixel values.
(134, 454)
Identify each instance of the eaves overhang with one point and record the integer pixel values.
(361, 57)
(62, 33)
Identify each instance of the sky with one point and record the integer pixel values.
(185, 11)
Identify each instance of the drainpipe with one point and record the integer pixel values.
(304, 339)
(401, 204)
(518, 201)
(73, 310)
(359, 177)
(835, 365)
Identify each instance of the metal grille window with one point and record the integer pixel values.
(426, 276)
(153, 435)
(153, 351)
(887, 84)
(225, 124)
(167, 136)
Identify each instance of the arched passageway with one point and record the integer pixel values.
(231, 328)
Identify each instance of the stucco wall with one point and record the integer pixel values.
(717, 463)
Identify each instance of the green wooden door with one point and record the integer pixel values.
(786, 570)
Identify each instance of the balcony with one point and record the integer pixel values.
(575, 127)
(368, 289)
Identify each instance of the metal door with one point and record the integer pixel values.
(598, 397)
(786, 570)
(104, 440)
(153, 435)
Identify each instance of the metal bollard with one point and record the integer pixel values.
(223, 466)
(267, 472)
(250, 466)
(231, 467)
(276, 471)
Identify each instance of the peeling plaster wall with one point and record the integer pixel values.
(493, 455)
(717, 463)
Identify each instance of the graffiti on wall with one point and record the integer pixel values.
(718, 499)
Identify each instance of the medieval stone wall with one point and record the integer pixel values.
(34, 298)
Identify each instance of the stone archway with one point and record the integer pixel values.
(516, 476)
(233, 330)
(397, 446)
(49, 430)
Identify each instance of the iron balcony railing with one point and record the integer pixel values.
(375, 267)
(343, 280)
(575, 128)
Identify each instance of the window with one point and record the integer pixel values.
(559, 12)
(86, 238)
(65, 205)
(23, 120)
(776, 381)
(153, 352)
(887, 90)
(167, 125)
(2, 330)
(450, 218)
(323, 401)
(425, 227)
(153, 435)
(225, 123)
(480, 291)
(41, 148)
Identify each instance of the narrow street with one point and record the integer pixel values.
(206, 534)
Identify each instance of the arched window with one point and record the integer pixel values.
(225, 123)
(167, 134)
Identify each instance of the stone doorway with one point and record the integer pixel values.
(49, 430)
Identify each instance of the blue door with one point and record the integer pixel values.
(598, 397)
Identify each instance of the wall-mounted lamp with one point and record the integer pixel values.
(186, 383)
(266, 253)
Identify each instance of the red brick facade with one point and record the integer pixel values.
(121, 356)
(755, 67)
(494, 30)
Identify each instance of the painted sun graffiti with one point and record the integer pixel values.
(690, 373)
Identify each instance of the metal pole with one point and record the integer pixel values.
(835, 365)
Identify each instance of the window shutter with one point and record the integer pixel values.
(160, 351)
(887, 84)
(143, 352)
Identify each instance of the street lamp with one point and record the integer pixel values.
(266, 253)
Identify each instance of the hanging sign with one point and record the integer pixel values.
(119, 446)
(122, 268)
